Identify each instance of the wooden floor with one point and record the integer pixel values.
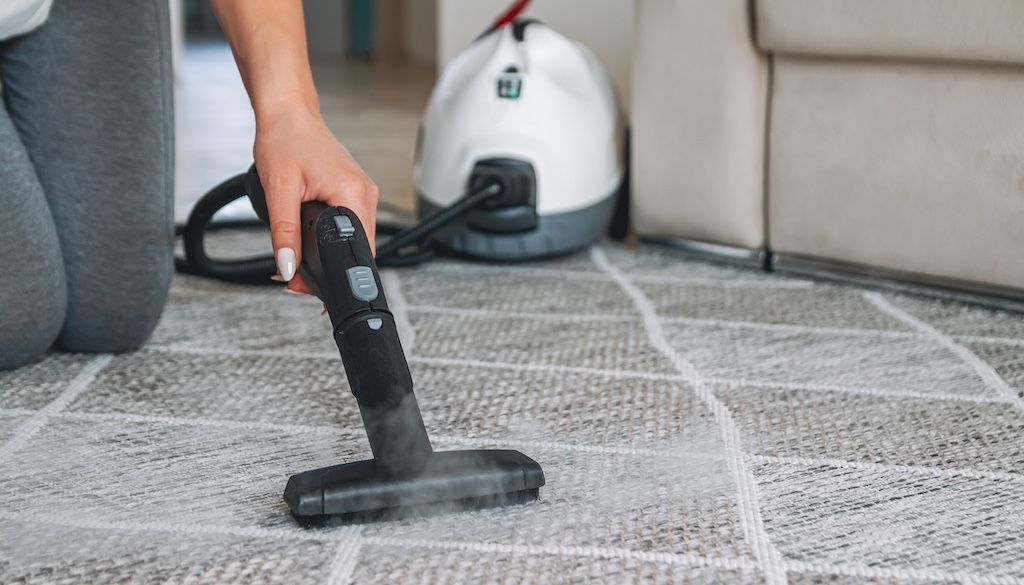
(373, 109)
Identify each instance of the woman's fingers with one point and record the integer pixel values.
(284, 192)
(357, 193)
(298, 285)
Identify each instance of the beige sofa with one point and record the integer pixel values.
(873, 136)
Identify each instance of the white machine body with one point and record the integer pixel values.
(535, 101)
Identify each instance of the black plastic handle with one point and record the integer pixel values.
(338, 265)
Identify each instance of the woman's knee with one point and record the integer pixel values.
(33, 289)
(34, 293)
(114, 315)
(31, 316)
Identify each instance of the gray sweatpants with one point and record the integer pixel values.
(86, 170)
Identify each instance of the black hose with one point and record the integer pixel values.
(257, 270)
(406, 247)
(390, 253)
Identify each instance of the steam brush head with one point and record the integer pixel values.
(449, 481)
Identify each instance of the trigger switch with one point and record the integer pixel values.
(362, 283)
(344, 225)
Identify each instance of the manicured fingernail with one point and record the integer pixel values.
(277, 278)
(291, 292)
(324, 310)
(286, 263)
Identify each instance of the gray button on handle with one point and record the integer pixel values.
(360, 280)
(344, 225)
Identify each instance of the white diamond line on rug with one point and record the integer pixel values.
(992, 379)
(769, 558)
(36, 422)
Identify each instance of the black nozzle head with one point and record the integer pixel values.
(450, 481)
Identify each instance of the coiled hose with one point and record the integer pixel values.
(256, 270)
(405, 247)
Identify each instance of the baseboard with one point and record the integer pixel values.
(757, 258)
(935, 287)
(975, 293)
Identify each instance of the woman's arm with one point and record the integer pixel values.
(297, 156)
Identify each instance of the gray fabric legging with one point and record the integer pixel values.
(86, 179)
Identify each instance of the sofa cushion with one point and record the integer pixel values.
(957, 30)
(913, 167)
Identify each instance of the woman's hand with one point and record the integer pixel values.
(300, 160)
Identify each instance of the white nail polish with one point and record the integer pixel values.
(277, 278)
(291, 292)
(286, 263)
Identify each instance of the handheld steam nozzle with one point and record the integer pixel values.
(405, 475)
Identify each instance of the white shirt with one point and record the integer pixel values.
(20, 16)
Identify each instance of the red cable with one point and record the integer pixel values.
(512, 13)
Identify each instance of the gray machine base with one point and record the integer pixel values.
(555, 234)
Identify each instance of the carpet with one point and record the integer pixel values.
(697, 424)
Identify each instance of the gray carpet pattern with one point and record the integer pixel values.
(697, 424)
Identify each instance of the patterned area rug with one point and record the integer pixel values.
(696, 423)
